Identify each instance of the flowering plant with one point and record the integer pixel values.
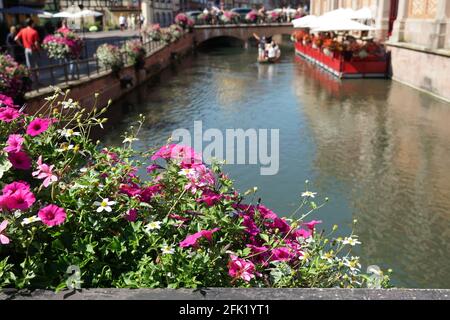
(297, 36)
(204, 18)
(63, 45)
(153, 32)
(229, 17)
(317, 42)
(14, 78)
(135, 52)
(252, 16)
(176, 32)
(180, 225)
(110, 57)
(184, 21)
(273, 16)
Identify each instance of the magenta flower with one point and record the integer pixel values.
(52, 215)
(131, 215)
(21, 199)
(210, 198)
(301, 233)
(3, 239)
(9, 114)
(191, 240)
(240, 268)
(45, 172)
(250, 226)
(20, 160)
(6, 101)
(281, 254)
(37, 126)
(152, 168)
(311, 225)
(15, 186)
(14, 142)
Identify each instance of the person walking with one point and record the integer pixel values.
(13, 48)
(122, 22)
(28, 37)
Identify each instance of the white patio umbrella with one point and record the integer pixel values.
(323, 25)
(64, 14)
(304, 22)
(340, 13)
(87, 13)
(363, 14)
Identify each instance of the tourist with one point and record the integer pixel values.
(29, 38)
(64, 28)
(271, 51)
(13, 48)
(261, 45)
(261, 14)
(122, 21)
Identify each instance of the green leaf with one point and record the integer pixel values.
(5, 165)
(265, 237)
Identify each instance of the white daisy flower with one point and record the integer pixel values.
(167, 249)
(104, 205)
(309, 194)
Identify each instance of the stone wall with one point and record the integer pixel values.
(108, 85)
(423, 70)
(231, 294)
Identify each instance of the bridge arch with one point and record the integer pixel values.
(240, 31)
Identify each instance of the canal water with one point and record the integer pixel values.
(378, 149)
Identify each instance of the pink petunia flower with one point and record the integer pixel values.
(6, 101)
(14, 142)
(3, 239)
(281, 254)
(37, 126)
(20, 160)
(14, 186)
(21, 199)
(45, 172)
(9, 114)
(311, 225)
(240, 268)
(191, 240)
(210, 198)
(131, 215)
(52, 215)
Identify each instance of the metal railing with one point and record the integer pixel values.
(72, 70)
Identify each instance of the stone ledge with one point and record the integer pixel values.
(415, 47)
(230, 294)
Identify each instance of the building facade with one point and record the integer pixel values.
(420, 45)
(160, 11)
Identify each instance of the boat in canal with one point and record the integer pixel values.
(271, 60)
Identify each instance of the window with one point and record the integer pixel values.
(422, 8)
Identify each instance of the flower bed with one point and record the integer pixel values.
(110, 57)
(135, 52)
(14, 78)
(67, 203)
(63, 45)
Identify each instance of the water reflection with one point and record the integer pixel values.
(378, 149)
(390, 147)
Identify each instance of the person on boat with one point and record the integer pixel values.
(276, 49)
(261, 45)
(271, 52)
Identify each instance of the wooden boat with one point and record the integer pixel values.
(270, 60)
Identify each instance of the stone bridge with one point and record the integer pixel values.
(242, 32)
